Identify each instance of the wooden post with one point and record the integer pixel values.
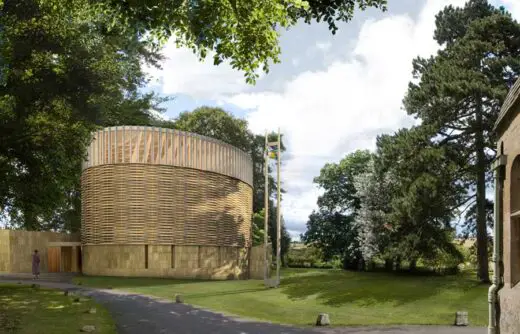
(266, 209)
(278, 213)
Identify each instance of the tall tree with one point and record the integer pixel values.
(425, 192)
(459, 91)
(219, 124)
(332, 227)
(62, 73)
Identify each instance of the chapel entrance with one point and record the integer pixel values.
(64, 257)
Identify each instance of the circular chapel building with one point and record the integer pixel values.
(165, 203)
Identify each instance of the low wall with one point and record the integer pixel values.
(257, 262)
(5, 253)
(204, 262)
(509, 310)
(22, 244)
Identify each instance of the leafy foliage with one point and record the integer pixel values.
(218, 124)
(332, 228)
(459, 93)
(62, 74)
(244, 32)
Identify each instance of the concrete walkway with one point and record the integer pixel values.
(136, 314)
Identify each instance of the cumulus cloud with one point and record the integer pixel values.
(513, 6)
(183, 73)
(327, 114)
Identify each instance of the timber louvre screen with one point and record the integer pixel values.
(145, 185)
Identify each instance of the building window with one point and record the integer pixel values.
(173, 256)
(146, 256)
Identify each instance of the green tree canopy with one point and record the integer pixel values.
(460, 90)
(245, 33)
(62, 74)
(219, 124)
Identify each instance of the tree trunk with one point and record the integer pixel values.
(482, 250)
(398, 264)
(389, 264)
(413, 265)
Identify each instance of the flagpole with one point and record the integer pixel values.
(266, 209)
(278, 223)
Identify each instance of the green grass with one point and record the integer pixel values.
(350, 298)
(24, 310)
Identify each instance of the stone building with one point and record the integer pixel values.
(505, 292)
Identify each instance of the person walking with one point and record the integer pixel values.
(36, 264)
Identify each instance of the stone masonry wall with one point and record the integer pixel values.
(20, 246)
(510, 293)
(204, 262)
(5, 256)
(256, 264)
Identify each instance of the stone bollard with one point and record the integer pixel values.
(461, 318)
(88, 329)
(179, 299)
(323, 320)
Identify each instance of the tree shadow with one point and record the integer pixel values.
(336, 288)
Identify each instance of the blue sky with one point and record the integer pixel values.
(330, 95)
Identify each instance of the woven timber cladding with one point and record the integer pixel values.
(158, 186)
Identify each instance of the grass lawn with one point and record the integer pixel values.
(24, 310)
(350, 298)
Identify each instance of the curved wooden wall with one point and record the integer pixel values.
(159, 146)
(142, 195)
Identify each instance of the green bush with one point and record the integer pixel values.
(307, 257)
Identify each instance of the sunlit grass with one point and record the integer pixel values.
(350, 298)
(25, 310)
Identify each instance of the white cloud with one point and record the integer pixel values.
(329, 113)
(513, 6)
(183, 73)
(323, 46)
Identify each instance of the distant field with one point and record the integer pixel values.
(350, 298)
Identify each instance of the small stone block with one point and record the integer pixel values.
(271, 283)
(88, 329)
(461, 318)
(179, 299)
(323, 320)
(92, 310)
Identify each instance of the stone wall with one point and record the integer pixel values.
(204, 262)
(257, 261)
(21, 245)
(5, 256)
(510, 294)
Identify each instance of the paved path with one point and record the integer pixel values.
(136, 314)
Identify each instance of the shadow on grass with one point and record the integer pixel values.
(37, 310)
(117, 282)
(336, 288)
(224, 293)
